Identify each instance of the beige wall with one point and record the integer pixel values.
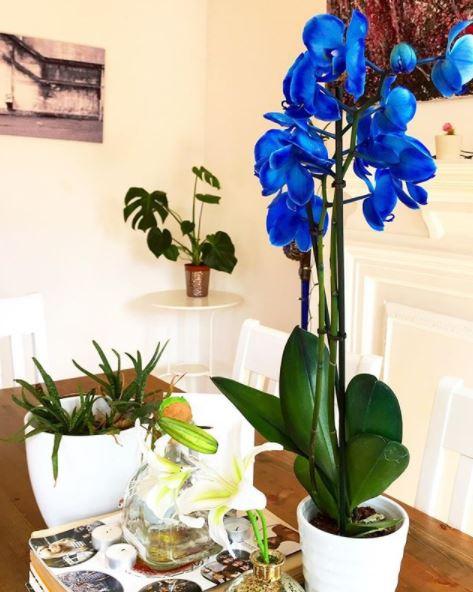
(61, 226)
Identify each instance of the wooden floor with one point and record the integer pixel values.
(438, 558)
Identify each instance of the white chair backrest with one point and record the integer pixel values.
(235, 435)
(259, 354)
(451, 428)
(363, 364)
(22, 318)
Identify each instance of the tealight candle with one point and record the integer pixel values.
(238, 529)
(106, 535)
(121, 556)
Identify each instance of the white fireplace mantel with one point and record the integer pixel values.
(450, 208)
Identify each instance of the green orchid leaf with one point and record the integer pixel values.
(373, 463)
(187, 226)
(159, 241)
(372, 408)
(363, 529)
(322, 496)
(144, 206)
(55, 455)
(262, 410)
(218, 252)
(297, 388)
(207, 198)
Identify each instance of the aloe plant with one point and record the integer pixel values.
(125, 400)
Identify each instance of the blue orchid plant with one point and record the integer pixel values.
(341, 466)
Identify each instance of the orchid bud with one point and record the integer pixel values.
(403, 58)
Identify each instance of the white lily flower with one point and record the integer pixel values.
(168, 478)
(218, 493)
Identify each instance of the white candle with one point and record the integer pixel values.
(238, 529)
(121, 556)
(106, 535)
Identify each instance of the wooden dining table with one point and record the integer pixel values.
(438, 558)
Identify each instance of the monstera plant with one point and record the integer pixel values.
(347, 438)
(150, 211)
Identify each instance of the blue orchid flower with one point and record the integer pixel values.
(305, 96)
(403, 58)
(334, 49)
(455, 70)
(378, 208)
(290, 158)
(397, 108)
(287, 221)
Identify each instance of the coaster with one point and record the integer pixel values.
(172, 585)
(90, 581)
(67, 548)
(226, 567)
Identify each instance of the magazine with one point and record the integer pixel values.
(68, 555)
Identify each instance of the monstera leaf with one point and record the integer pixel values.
(373, 463)
(297, 388)
(218, 252)
(144, 206)
(205, 175)
(372, 407)
(160, 243)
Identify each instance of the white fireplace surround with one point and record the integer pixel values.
(410, 298)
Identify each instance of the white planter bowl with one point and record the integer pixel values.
(93, 471)
(339, 564)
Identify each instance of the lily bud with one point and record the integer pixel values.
(403, 58)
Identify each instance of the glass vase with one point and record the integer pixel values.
(165, 544)
(266, 577)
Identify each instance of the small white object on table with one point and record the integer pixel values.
(106, 535)
(121, 556)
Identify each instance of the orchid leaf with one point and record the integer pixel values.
(373, 463)
(322, 496)
(262, 410)
(363, 529)
(297, 387)
(372, 407)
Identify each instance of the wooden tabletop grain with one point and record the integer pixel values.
(437, 559)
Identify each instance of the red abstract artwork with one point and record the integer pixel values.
(422, 23)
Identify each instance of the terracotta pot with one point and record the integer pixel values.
(447, 147)
(339, 564)
(197, 280)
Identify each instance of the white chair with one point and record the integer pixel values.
(451, 428)
(259, 354)
(233, 433)
(22, 318)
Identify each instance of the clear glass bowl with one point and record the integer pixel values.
(163, 544)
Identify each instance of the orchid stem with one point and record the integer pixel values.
(264, 528)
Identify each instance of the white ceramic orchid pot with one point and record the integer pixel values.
(333, 563)
(448, 147)
(93, 471)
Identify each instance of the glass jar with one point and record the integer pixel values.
(163, 543)
(266, 577)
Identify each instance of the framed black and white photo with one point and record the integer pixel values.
(51, 89)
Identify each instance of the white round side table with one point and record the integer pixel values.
(183, 305)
